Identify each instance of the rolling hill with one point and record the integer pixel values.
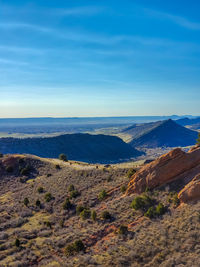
(162, 134)
(82, 147)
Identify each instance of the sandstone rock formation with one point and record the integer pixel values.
(191, 191)
(176, 164)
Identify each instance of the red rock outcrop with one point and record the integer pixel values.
(191, 191)
(176, 164)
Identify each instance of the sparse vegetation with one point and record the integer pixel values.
(106, 215)
(40, 190)
(25, 171)
(85, 214)
(123, 230)
(102, 195)
(67, 205)
(143, 202)
(38, 203)
(123, 188)
(74, 248)
(131, 172)
(94, 215)
(26, 201)
(63, 157)
(48, 197)
(17, 242)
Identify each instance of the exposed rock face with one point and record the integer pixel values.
(176, 164)
(191, 191)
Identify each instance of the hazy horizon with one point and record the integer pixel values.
(99, 59)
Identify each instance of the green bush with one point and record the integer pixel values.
(142, 202)
(123, 189)
(63, 157)
(160, 209)
(85, 214)
(151, 213)
(105, 215)
(173, 198)
(40, 190)
(67, 205)
(74, 194)
(17, 242)
(102, 195)
(58, 167)
(123, 230)
(131, 172)
(94, 215)
(26, 201)
(48, 197)
(71, 188)
(74, 248)
(38, 203)
(79, 209)
(25, 171)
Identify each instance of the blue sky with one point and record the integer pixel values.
(99, 58)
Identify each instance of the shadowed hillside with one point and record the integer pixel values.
(191, 123)
(165, 134)
(82, 147)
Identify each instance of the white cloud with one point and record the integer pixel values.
(179, 20)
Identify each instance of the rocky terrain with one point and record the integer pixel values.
(161, 134)
(56, 213)
(82, 147)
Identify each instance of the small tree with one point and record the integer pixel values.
(105, 215)
(102, 195)
(26, 201)
(94, 215)
(85, 214)
(38, 203)
(17, 242)
(48, 197)
(40, 190)
(67, 204)
(63, 157)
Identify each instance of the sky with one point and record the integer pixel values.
(99, 58)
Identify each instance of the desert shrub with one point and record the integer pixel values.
(74, 194)
(173, 198)
(48, 197)
(25, 171)
(79, 209)
(38, 203)
(106, 215)
(102, 195)
(40, 190)
(49, 174)
(9, 169)
(123, 189)
(94, 215)
(157, 211)
(67, 204)
(61, 222)
(75, 247)
(160, 209)
(57, 167)
(63, 157)
(151, 213)
(71, 188)
(142, 202)
(17, 242)
(26, 201)
(131, 172)
(123, 230)
(85, 214)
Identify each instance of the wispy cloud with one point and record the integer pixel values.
(77, 11)
(13, 62)
(179, 20)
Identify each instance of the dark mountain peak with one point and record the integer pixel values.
(166, 133)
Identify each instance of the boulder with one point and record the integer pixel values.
(191, 191)
(176, 164)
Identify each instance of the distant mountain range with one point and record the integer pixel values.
(161, 134)
(81, 147)
(194, 123)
